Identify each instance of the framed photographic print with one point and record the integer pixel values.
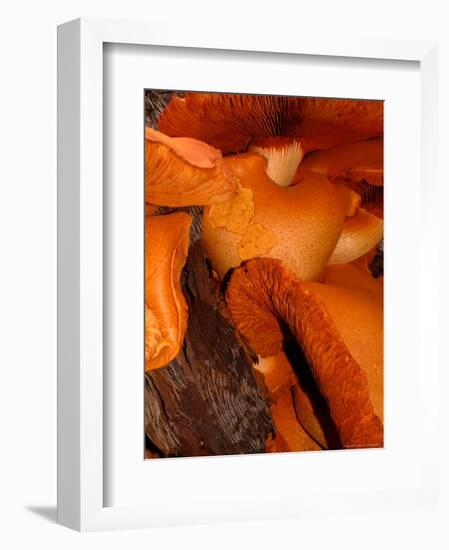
(263, 274)
(234, 320)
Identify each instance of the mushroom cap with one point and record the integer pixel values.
(326, 122)
(226, 121)
(360, 167)
(264, 298)
(359, 323)
(299, 225)
(360, 234)
(231, 121)
(353, 162)
(166, 246)
(354, 301)
(184, 172)
(150, 209)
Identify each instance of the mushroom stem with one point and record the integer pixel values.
(283, 157)
(264, 297)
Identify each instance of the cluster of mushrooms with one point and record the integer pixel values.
(291, 191)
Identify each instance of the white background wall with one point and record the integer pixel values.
(28, 271)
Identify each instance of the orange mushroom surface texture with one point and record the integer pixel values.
(359, 235)
(231, 122)
(282, 198)
(265, 299)
(299, 225)
(354, 301)
(290, 435)
(360, 167)
(166, 246)
(281, 383)
(184, 172)
(226, 121)
(326, 123)
(361, 161)
(357, 165)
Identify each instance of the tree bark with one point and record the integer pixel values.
(206, 401)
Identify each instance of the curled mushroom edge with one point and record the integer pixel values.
(184, 172)
(166, 242)
(264, 299)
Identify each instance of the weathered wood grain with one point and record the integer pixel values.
(206, 401)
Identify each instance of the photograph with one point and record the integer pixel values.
(263, 273)
(217, 332)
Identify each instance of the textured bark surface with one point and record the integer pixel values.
(206, 401)
(155, 103)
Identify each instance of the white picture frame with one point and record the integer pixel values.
(82, 491)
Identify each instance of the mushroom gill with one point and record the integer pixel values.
(300, 224)
(354, 301)
(184, 172)
(332, 326)
(166, 245)
(228, 122)
(328, 122)
(231, 122)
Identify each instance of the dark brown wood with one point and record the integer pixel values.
(206, 401)
(377, 264)
(155, 103)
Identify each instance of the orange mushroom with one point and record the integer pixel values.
(299, 225)
(166, 243)
(354, 301)
(326, 122)
(339, 330)
(150, 209)
(233, 122)
(184, 172)
(329, 212)
(360, 234)
(283, 157)
(290, 435)
(228, 122)
(360, 167)
(281, 383)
